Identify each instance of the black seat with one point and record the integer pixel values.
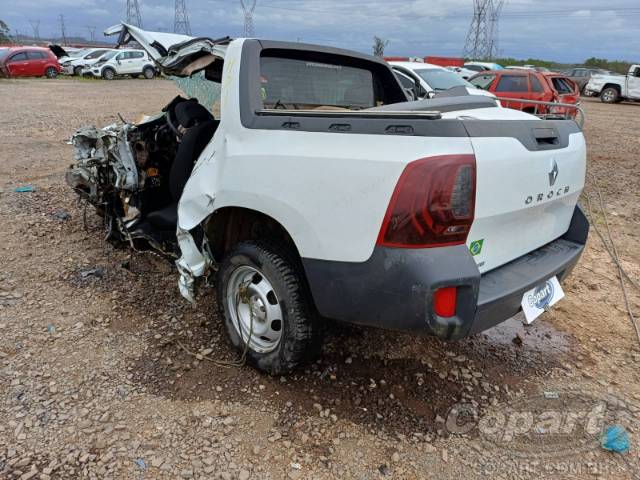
(201, 126)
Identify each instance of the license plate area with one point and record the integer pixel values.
(540, 298)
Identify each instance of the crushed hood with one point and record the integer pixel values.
(176, 55)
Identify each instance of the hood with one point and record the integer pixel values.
(58, 51)
(176, 55)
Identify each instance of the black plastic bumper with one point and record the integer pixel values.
(394, 288)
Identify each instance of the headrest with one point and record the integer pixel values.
(190, 113)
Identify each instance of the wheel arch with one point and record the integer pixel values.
(230, 225)
(612, 85)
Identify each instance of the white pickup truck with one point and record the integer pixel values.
(615, 88)
(321, 192)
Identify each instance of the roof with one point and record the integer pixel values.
(14, 48)
(416, 65)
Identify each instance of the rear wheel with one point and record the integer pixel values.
(108, 74)
(610, 95)
(149, 73)
(51, 72)
(266, 308)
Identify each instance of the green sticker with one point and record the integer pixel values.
(476, 247)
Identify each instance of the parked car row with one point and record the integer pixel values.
(107, 63)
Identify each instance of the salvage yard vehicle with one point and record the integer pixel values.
(119, 63)
(425, 79)
(28, 62)
(75, 65)
(615, 88)
(513, 85)
(321, 192)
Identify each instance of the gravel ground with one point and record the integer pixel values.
(97, 386)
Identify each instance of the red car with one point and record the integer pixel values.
(529, 85)
(28, 62)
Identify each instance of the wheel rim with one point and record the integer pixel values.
(250, 293)
(148, 73)
(608, 96)
(108, 74)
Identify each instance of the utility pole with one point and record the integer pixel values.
(133, 13)
(92, 33)
(249, 31)
(181, 18)
(482, 39)
(35, 26)
(63, 30)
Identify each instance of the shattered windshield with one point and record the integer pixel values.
(207, 92)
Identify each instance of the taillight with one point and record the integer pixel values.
(444, 301)
(433, 203)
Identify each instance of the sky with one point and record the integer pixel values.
(568, 31)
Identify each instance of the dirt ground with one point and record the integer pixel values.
(94, 384)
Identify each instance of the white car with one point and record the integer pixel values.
(321, 192)
(615, 88)
(425, 79)
(482, 66)
(123, 62)
(74, 65)
(465, 73)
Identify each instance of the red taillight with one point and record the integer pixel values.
(444, 301)
(433, 203)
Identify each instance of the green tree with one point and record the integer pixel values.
(4, 33)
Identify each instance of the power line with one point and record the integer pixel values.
(63, 30)
(249, 30)
(133, 13)
(35, 26)
(181, 19)
(92, 32)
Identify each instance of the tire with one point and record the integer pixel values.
(77, 71)
(269, 275)
(610, 95)
(149, 73)
(51, 72)
(108, 73)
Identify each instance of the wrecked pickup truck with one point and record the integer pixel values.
(318, 191)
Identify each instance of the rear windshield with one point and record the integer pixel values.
(293, 83)
(442, 79)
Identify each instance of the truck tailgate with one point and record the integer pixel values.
(529, 177)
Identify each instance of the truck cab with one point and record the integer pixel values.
(616, 88)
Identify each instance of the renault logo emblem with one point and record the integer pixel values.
(553, 174)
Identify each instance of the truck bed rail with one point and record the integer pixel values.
(547, 110)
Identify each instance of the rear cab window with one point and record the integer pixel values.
(308, 80)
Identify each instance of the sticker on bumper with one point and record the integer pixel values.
(541, 298)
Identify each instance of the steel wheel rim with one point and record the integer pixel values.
(248, 283)
(608, 96)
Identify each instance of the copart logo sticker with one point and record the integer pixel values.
(541, 296)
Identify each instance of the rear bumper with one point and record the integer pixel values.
(394, 288)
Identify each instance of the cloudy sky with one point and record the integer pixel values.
(568, 31)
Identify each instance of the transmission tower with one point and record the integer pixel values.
(92, 32)
(248, 18)
(181, 19)
(35, 25)
(482, 38)
(133, 13)
(63, 30)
